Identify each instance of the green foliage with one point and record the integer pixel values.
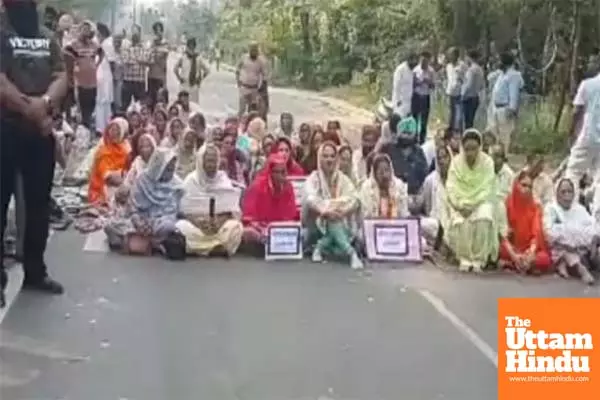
(198, 21)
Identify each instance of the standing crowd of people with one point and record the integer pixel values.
(161, 181)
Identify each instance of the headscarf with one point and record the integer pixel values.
(139, 164)
(470, 186)
(152, 195)
(169, 141)
(337, 192)
(110, 156)
(292, 167)
(524, 218)
(573, 227)
(160, 110)
(262, 204)
(370, 194)
(407, 126)
(199, 187)
(257, 129)
(186, 159)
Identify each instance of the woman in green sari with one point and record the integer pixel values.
(330, 208)
(470, 189)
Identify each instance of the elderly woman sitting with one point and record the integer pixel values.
(330, 208)
(151, 211)
(572, 233)
(210, 232)
(110, 163)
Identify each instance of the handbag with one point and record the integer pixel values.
(174, 246)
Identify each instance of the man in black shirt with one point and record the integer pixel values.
(32, 83)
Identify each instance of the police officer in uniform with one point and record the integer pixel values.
(32, 84)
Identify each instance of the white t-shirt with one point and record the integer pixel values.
(588, 97)
(429, 150)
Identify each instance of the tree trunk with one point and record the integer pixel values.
(571, 71)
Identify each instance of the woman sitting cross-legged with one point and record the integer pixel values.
(110, 163)
(330, 208)
(205, 234)
(270, 198)
(152, 207)
(383, 195)
(572, 233)
(471, 192)
(524, 249)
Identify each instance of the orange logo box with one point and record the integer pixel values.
(549, 349)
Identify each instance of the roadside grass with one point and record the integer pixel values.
(535, 132)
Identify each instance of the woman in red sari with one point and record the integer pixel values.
(270, 198)
(524, 249)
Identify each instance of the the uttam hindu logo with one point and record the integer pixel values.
(548, 348)
(523, 344)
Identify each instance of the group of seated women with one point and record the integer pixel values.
(472, 209)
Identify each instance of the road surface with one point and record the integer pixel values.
(147, 329)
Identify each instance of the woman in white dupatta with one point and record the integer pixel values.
(173, 133)
(571, 233)
(330, 207)
(217, 235)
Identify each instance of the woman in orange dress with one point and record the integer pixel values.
(110, 162)
(524, 249)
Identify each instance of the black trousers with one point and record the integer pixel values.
(33, 157)
(420, 110)
(469, 108)
(87, 104)
(131, 89)
(154, 85)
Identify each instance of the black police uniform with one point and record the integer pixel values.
(29, 63)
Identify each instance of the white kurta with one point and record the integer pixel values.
(104, 95)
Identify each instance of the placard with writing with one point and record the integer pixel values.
(393, 239)
(284, 241)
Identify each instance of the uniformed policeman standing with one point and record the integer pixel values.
(32, 83)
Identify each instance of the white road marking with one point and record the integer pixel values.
(96, 242)
(36, 348)
(468, 332)
(9, 379)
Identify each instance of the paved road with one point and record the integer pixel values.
(146, 329)
(219, 99)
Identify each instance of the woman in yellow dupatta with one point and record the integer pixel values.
(330, 207)
(471, 193)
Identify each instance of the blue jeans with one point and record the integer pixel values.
(469, 109)
(455, 121)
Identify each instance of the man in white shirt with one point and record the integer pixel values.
(191, 70)
(402, 86)
(424, 83)
(586, 149)
(455, 70)
(506, 100)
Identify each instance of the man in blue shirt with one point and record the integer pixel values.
(505, 100)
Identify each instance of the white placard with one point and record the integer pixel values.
(284, 241)
(298, 184)
(226, 201)
(393, 239)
